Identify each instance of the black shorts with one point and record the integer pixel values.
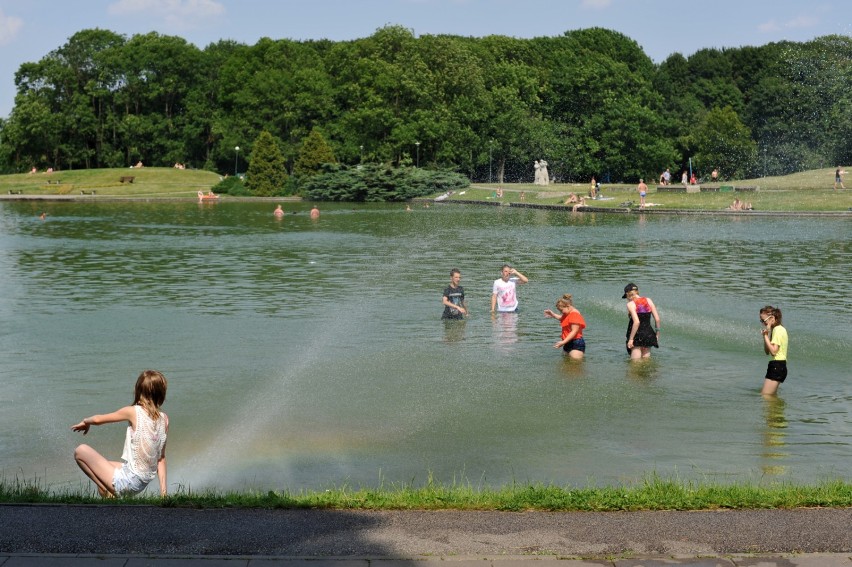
(575, 344)
(777, 370)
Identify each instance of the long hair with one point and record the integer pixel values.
(775, 312)
(566, 300)
(150, 392)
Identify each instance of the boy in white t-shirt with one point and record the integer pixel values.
(504, 298)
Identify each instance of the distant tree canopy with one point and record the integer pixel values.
(590, 102)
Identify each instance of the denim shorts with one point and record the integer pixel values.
(126, 483)
(575, 344)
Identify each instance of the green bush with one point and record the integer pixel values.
(378, 182)
(231, 186)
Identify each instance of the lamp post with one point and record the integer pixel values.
(361, 159)
(236, 156)
(490, 147)
(418, 153)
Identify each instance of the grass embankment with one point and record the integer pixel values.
(805, 191)
(147, 182)
(652, 494)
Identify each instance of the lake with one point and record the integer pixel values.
(310, 353)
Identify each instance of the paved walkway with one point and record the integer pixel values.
(134, 536)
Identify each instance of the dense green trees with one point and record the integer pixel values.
(590, 102)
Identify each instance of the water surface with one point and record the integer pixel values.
(308, 354)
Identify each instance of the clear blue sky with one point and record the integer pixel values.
(30, 29)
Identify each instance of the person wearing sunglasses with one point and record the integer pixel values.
(774, 345)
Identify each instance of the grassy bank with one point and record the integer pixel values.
(804, 191)
(651, 494)
(147, 182)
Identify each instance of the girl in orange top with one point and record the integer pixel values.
(572, 323)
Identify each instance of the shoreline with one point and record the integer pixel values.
(636, 210)
(542, 206)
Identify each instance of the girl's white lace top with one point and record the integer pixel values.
(143, 447)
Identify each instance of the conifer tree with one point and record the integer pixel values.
(314, 152)
(267, 173)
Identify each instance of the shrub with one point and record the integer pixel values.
(377, 182)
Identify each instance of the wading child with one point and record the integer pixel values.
(572, 323)
(640, 335)
(774, 345)
(144, 453)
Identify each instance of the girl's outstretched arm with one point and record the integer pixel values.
(126, 413)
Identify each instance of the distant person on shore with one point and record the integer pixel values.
(838, 178)
(643, 191)
(640, 335)
(278, 212)
(572, 198)
(144, 454)
(774, 345)
(572, 323)
(666, 177)
(453, 298)
(43, 215)
(693, 180)
(315, 212)
(683, 178)
(737, 205)
(504, 295)
(580, 203)
(714, 176)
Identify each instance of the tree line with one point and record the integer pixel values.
(590, 102)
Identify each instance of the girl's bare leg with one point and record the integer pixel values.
(769, 387)
(97, 468)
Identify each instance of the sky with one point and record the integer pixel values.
(32, 29)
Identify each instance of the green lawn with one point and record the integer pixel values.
(805, 191)
(148, 181)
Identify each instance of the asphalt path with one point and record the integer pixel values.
(119, 529)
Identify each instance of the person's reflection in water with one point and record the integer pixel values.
(572, 369)
(774, 436)
(505, 330)
(454, 330)
(644, 370)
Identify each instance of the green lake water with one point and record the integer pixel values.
(311, 354)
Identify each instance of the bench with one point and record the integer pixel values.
(84, 192)
(52, 181)
(126, 179)
(16, 191)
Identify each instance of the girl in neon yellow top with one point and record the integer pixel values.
(774, 345)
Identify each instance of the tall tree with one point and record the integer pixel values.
(314, 152)
(266, 174)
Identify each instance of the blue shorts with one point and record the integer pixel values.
(575, 344)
